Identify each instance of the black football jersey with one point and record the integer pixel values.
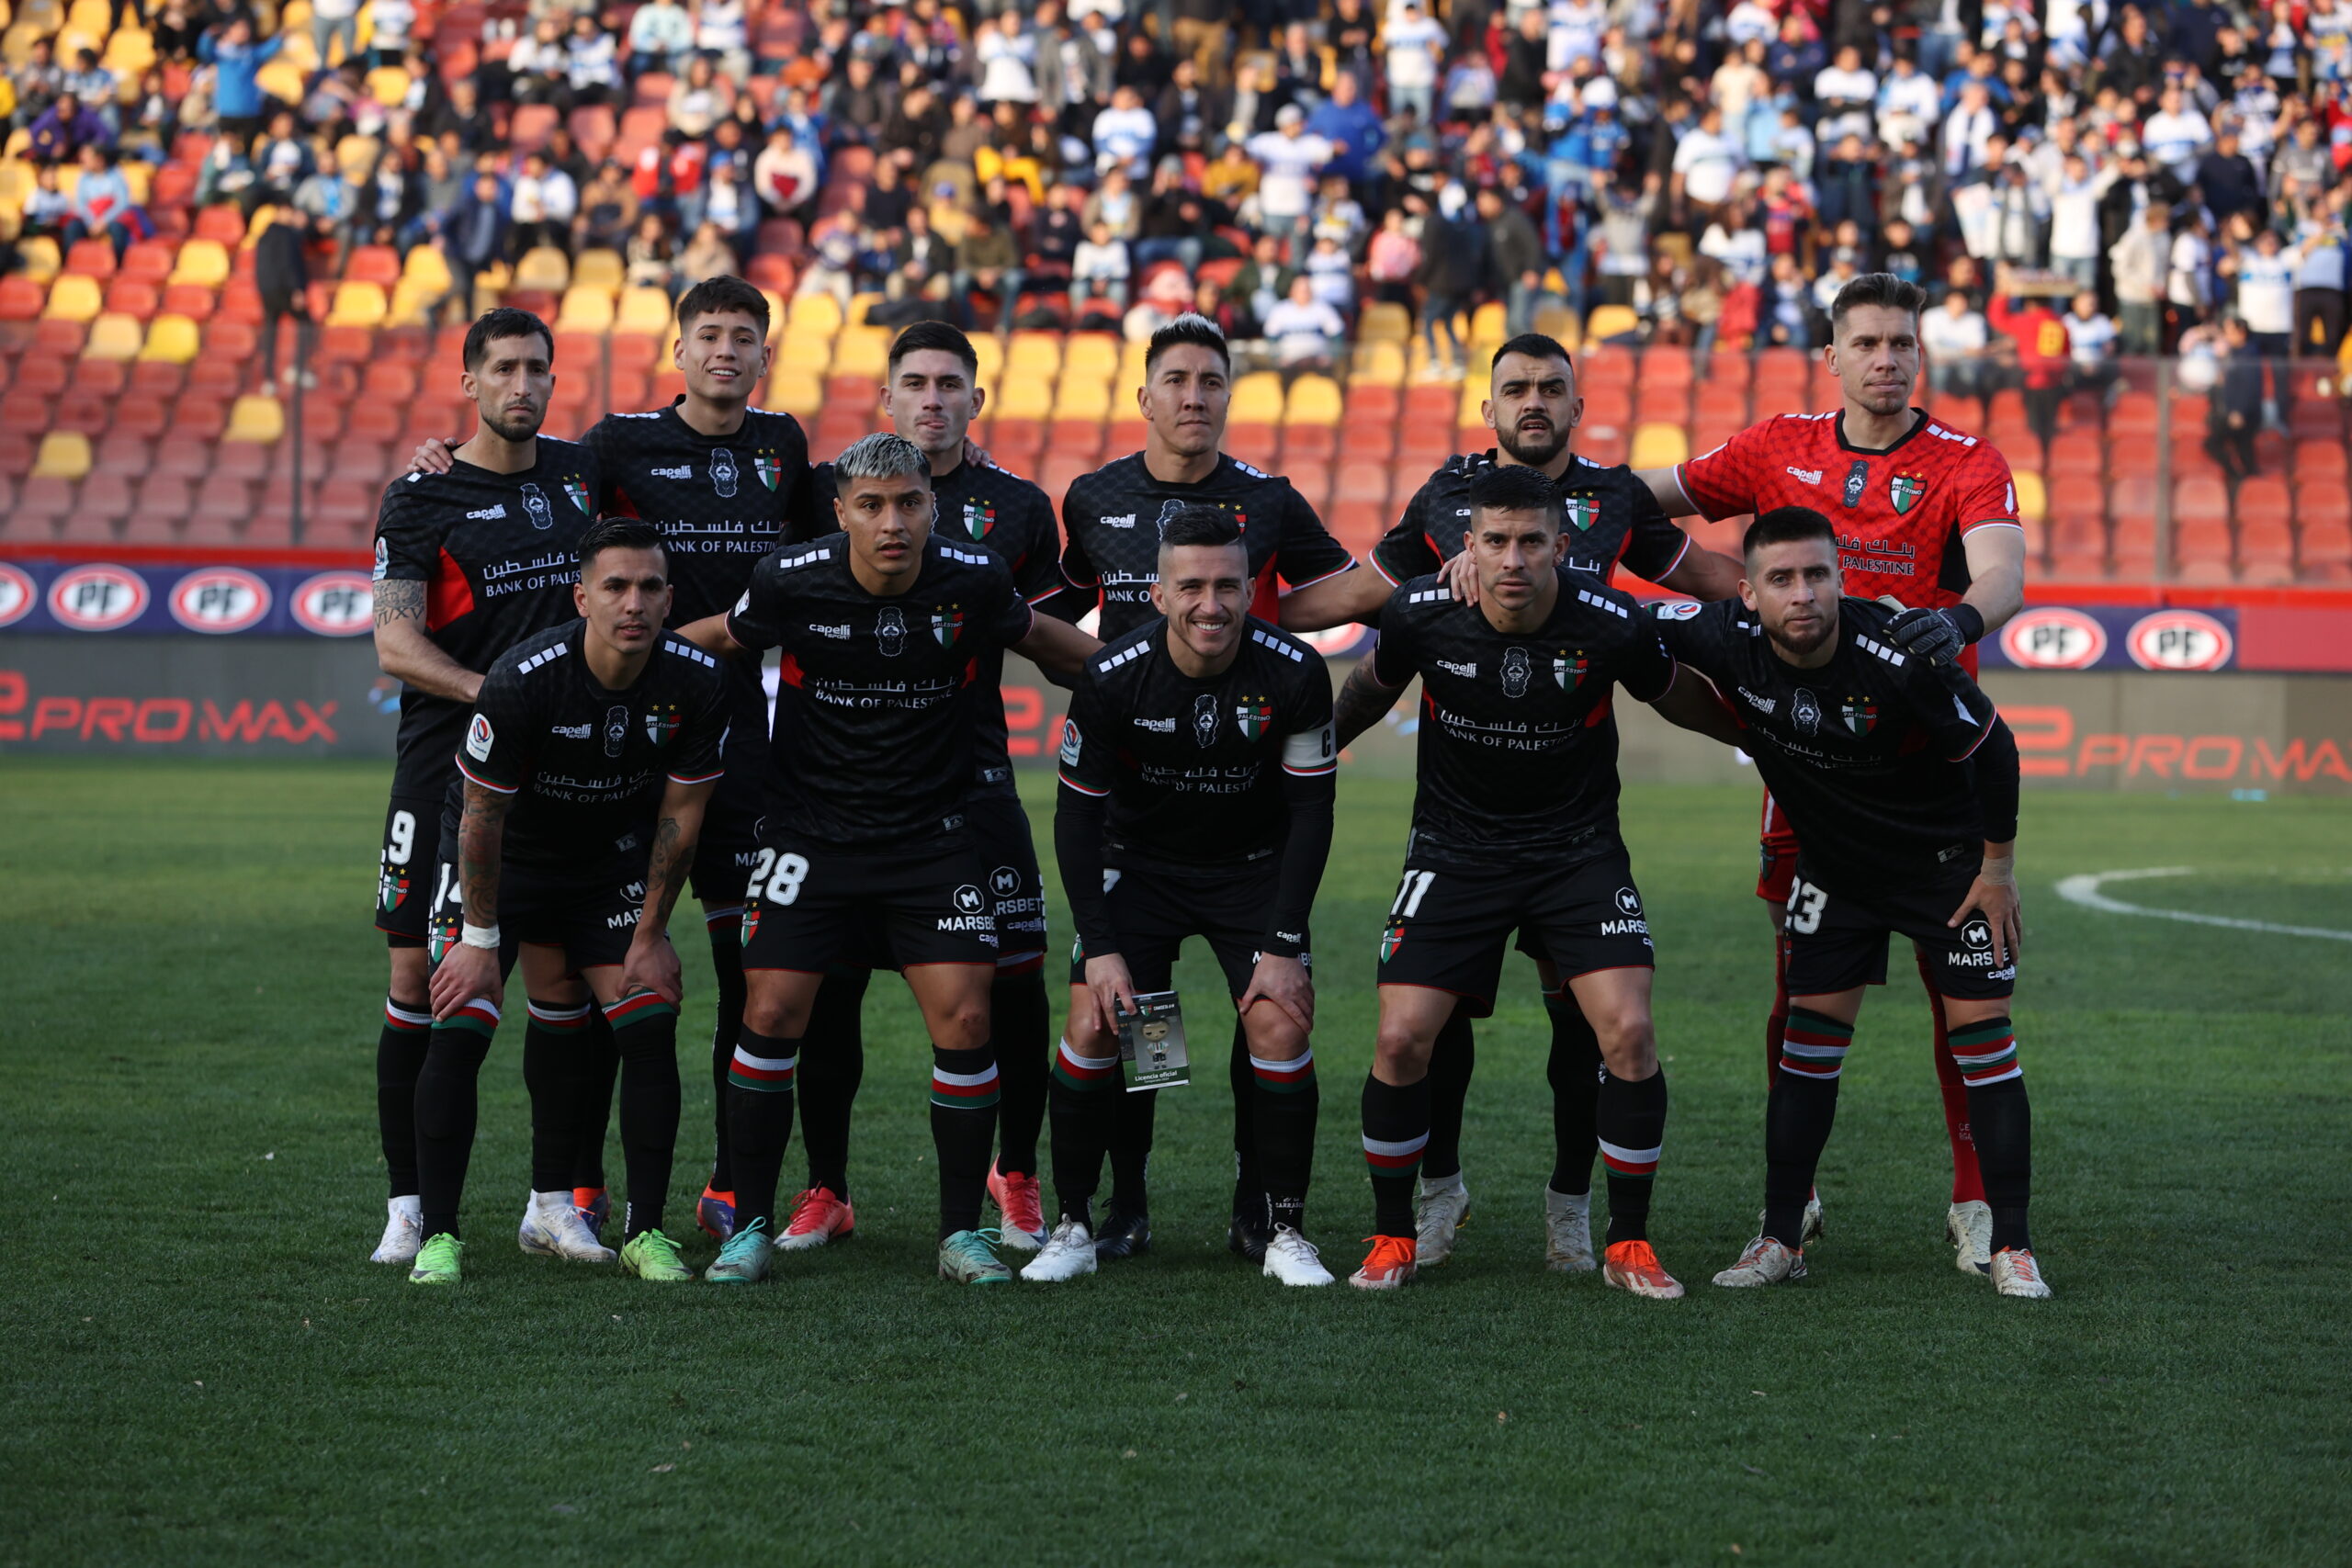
(875, 729)
(1608, 517)
(1196, 768)
(1110, 523)
(1517, 746)
(981, 504)
(1865, 754)
(497, 554)
(586, 765)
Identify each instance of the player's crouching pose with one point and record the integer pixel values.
(884, 629)
(1901, 780)
(1515, 826)
(1196, 792)
(592, 751)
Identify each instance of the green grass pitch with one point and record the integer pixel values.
(202, 1367)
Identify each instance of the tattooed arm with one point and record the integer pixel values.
(1361, 702)
(403, 651)
(466, 972)
(652, 962)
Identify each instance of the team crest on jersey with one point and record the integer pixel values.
(1583, 510)
(980, 519)
(1254, 718)
(1569, 669)
(947, 625)
(536, 505)
(769, 466)
(751, 924)
(661, 724)
(1860, 715)
(1205, 720)
(577, 494)
(1391, 940)
(444, 938)
(1905, 490)
(392, 889)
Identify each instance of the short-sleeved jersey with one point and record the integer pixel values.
(586, 764)
(875, 729)
(1607, 515)
(1004, 514)
(1900, 513)
(1194, 767)
(1112, 519)
(1518, 750)
(1865, 754)
(497, 554)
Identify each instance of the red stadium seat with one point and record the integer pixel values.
(149, 261)
(1309, 444)
(373, 264)
(142, 416)
(222, 223)
(2200, 500)
(2202, 549)
(1365, 446)
(157, 379)
(21, 298)
(1366, 483)
(1357, 525)
(2265, 551)
(182, 458)
(84, 412)
(42, 376)
(120, 452)
(221, 496)
(46, 499)
(91, 258)
(101, 378)
(105, 495)
(1312, 480)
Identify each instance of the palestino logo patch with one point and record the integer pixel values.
(334, 604)
(751, 923)
(2176, 640)
(17, 595)
(219, 600)
(97, 598)
(2054, 639)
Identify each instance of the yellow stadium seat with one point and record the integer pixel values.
(64, 455)
(1377, 365)
(86, 17)
(796, 391)
(1314, 399)
(1384, 320)
(356, 155)
(205, 264)
(599, 269)
(74, 298)
(777, 314)
(1095, 353)
(1558, 321)
(990, 353)
(357, 305)
(258, 225)
(1487, 323)
(129, 51)
(68, 180)
(1084, 398)
(1470, 409)
(816, 313)
(1659, 447)
(584, 311)
(1131, 366)
(1037, 355)
(2033, 501)
(413, 303)
(256, 419)
(301, 52)
(294, 16)
(282, 77)
(114, 336)
(1610, 320)
(172, 339)
(140, 176)
(388, 85)
(643, 311)
(1023, 396)
(863, 351)
(543, 269)
(1257, 400)
(860, 304)
(39, 257)
(425, 265)
(1478, 369)
(811, 352)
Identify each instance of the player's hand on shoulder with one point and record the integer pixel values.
(432, 455)
(652, 965)
(1285, 983)
(1459, 576)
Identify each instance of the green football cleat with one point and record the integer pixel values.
(654, 1256)
(437, 1262)
(744, 1259)
(969, 1257)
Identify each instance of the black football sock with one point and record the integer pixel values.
(645, 1032)
(1575, 1071)
(1630, 1118)
(599, 1064)
(833, 1064)
(554, 1033)
(1797, 1118)
(1452, 1060)
(1022, 1023)
(1776, 1023)
(1395, 1131)
(2001, 1120)
(727, 969)
(964, 1093)
(759, 1121)
(1288, 1102)
(1085, 1097)
(446, 1098)
(400, 1056)
(1131, 1151)
(1248, 1180)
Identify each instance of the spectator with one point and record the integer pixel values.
(659, 36)
(2074, 223)
(1232, 179)
(1125, 134)
(729, 206)
(607, 212)
(474, 241)
(1288, 158)
(1734, 241)
(2090, 345)
(102, 204)
(281, 275)
(63, 130)
(987, 260)
(646, 261)
(2320, 289)
(1454, 262)
(1098, 270)
(698, 100)
(388, 25)
(1705, 162)
(540, 206)
(1353, 129)
(722, 33)
(707, 255)
(1114, 202)
(1306, 332)
(2226, 178)
(2176, 136)
(1261, 283)
(1956, 339)
(786, 175)
(1059, 230)
(47, 209)
(1007, 54)
(1175, 223)
(2140, 261)
(2266, 304)
(2040, 347)
(38, 81)
(1332, 272)
(1416, 51)
(236, 61)
(590, 62)
(1392, 259)
(1190, 113)
(2234, 413)
(94, 87)
(2188, 278)
(1518, 256)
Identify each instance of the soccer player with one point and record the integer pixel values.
(1515, 826)
(931, 397)
(1901, 780)
(1608, 519)
(1925, 514)
(1197, 775)
(468, 563)
(593, 750)
(883, 628)
(1110, 523)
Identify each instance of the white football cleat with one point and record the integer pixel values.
(1291, 1259)
(1567, 1232)
(1067, 1253)
(551, 1227)
(1810, 1232)
(1440, 1208)
(1766, 1262)
(2015, 1273)
(403, 1232)
(1969, 1227)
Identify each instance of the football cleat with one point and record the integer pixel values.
(1811, 1229)
(969, 1257)
(715, 1213)
(1123, 1234)
(653, 1258)
(403, 1232)
(1567, 1232)
(744, 1259)
(1389, 1265)
(1632, 1265)
(1969, 1228)
(1247, 1232)
(1291, 1259)
(1067, 1253)
(1439, 1209)
(437, 1261)
(1766, 1262)
(1016, 1198)
(818, 1217)
(554, 1227)
(595, 1206)
(2015, 1273)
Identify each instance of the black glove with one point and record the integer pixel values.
(1936, 636)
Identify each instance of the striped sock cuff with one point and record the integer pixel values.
(963, 1091)
(1641, 1164)
(764, 1074)
(1398, 1161)
(408, 1021)
(1085, 1074)
(477, 1016)
(640, 1007)
(1986, 1053)
(1284, 1077)
(558, 1018)
(1814, 1045)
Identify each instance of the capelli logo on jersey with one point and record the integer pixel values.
(488, 514)
(572, 731)
(1157, 725)
(839, 633)
(683, 471)
(1468, 671)
(1810, 476)
(1125, 519)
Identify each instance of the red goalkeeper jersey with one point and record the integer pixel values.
(1900, 512)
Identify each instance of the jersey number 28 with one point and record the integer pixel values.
(776, 879)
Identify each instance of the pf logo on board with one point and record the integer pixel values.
(2179, 640)
(218, 599)
(97, 598)
(2054, 639)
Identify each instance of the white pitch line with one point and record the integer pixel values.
(2085, 890)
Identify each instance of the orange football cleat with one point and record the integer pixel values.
(1394, 1259)
(1633, 1265)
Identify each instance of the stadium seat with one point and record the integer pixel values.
(599, 268)
(1314, 399)
(91, 258)
(1316, 443)
(1022, 399)
(585, 309)
(1360, 482)
(100, 377)
(39, 259)
(256, 419)
(42, 376)
(1257, 399)
(74, 298)
(1087, 399)
(1375, 365)
(2202, 549)
(1486, 327)
(149, 261)
(1611, 321)
(2200, 500)
(41, 502)
(104, 495)
(64, 455)
(1091, 354)
(21, 298)
(114, 336)
(1659, 447)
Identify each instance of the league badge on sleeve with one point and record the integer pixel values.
(480, 738)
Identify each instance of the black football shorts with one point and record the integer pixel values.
(1450, 924)
(810, 907)
(1155, 910)
(593, 918)
(729, 845)
(406, 869)
(1838, 941)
